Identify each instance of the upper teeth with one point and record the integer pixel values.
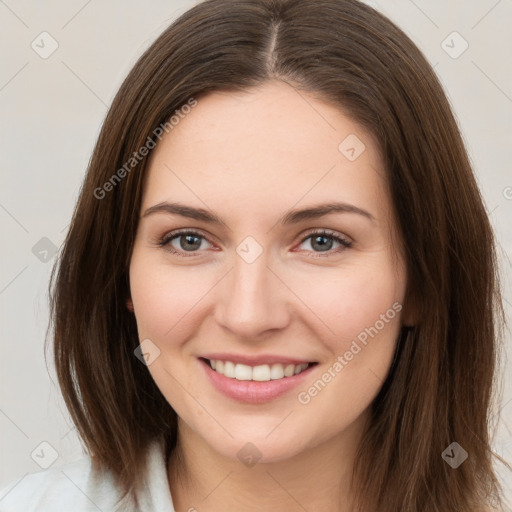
(260, 373)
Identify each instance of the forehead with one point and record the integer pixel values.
(270, 147)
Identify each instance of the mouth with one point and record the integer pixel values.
(255, 382)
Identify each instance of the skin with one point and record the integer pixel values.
(250, 157)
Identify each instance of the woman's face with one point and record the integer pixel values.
(242, 277)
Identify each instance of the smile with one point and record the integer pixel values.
(254, 381)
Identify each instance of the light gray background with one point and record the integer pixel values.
(52, 110)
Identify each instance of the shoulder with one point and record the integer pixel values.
(78, 487)
(72, 486)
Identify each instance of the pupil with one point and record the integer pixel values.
(323, 247)
(188, 238)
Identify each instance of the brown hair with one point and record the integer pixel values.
(440, 385)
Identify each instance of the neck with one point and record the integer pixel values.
(317, 479)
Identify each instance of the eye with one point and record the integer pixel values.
(324, 240)
(185, 241)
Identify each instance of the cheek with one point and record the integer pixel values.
(164, 299)
(362, 309)
(365, 317)
(349, 302)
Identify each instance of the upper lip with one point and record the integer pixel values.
(255, 360)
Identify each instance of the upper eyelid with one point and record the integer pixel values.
(185, 231)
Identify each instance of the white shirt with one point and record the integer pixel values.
(73, 487)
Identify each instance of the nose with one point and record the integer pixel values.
(252, 299)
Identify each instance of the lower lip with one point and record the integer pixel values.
(250, 391)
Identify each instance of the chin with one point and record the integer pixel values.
(256, 444)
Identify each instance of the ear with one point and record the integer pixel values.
(129, 305)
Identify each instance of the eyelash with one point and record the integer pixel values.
(166, 239)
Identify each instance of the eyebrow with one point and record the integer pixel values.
(292, 217)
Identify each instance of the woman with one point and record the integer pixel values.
(278, 289)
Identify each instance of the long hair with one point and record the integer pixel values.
(439, 389)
